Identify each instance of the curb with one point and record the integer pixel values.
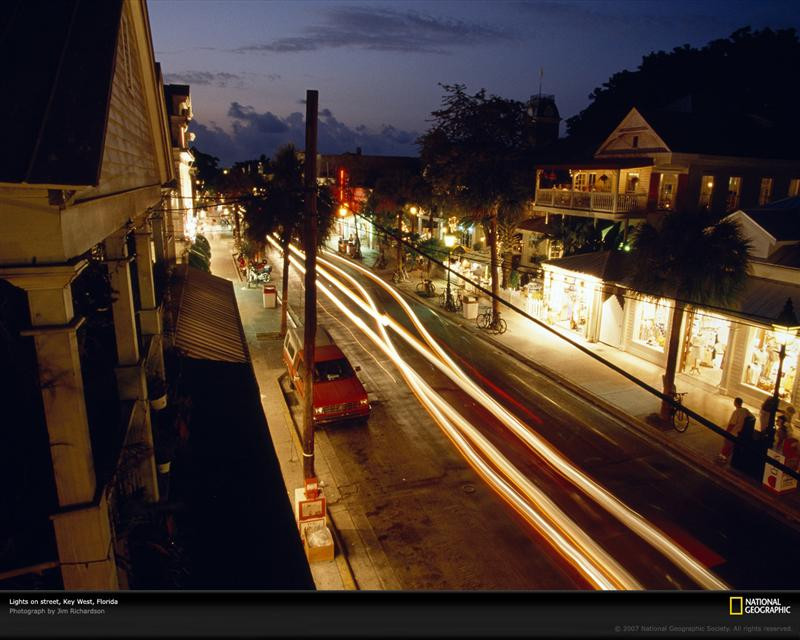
(349, 582)
(754, 494)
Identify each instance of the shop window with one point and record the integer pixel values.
(706, 190)
(734, 189)
(705, 351)
(761, 363)
(568, 302)
(667, 190)
(794, 187)
(765, 193)
(650, 324)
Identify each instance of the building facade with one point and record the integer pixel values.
(79, 249)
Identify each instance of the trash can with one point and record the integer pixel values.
(470, 309)
(270, 296)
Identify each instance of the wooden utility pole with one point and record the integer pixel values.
(310, 247)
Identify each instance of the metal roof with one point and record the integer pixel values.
(209, 326)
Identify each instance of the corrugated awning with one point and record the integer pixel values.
(208, 326)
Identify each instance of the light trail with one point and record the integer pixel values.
(566, 537)
(634, 521)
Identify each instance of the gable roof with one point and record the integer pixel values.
(58, 66)
(780, 219)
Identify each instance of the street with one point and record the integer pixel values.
(441, 526)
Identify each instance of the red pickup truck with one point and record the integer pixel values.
(338, 393)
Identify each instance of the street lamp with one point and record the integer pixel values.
(449, 242)
(785, 327)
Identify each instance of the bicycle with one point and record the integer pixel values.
(399, 275)
(680, 419)
(451, 302)
(491, 322)
(426, 288)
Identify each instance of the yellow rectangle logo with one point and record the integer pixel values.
(737, 605)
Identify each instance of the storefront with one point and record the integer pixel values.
(706, 343)
(569, 300)
(650, 324)
(762, 359)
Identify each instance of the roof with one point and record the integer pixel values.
(604, 163)
(59, 64)
(538, 225)
(719, 133)
(764, 299)
(781, 219)
(208, 323)
(610, 266)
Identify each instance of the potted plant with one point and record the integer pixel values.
(157, 392)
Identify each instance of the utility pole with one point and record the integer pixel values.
(310, 237)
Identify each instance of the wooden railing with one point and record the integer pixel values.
(591, 200)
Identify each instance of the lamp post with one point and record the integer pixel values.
(785, 328)
(449, 242)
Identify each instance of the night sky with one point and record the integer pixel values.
(378, 65)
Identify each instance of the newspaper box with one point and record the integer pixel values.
(470, 309)
(270, 296)
(775, 479)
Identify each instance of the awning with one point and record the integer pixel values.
(209, 326)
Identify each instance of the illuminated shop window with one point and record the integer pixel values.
(705, 348)
(650, 324)
(794, 187)
(761, 362)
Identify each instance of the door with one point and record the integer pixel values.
(611, 321)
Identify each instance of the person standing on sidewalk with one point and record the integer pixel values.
(735, 425)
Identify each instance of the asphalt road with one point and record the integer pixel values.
(740, 543)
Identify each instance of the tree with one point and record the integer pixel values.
(735, 75)
(281, 211)
(696, 260)
(472, 157)
(396, 193)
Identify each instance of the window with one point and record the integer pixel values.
(761, 363)
(635, 142)
(734, 189)
(631, 180)
(765, 193)
(580, 182)
(650, 324)
(794, 187)
(556, 250)
(330, 370)
(706, 190)
(667, 190)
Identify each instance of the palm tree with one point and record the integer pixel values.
(695, 259)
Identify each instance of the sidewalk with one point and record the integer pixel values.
(585, 376)
(358, 563)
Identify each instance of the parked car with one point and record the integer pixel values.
(338, 393)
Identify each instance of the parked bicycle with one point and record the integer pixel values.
(451, 302)
(680, 419)
(400, 275)
(491, 322)
(426, 288)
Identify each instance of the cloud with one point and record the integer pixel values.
(384, 29)
(253, 133)
(219, 79)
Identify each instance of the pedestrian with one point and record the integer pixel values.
(735, 425)
(781, 433)
(768, 407)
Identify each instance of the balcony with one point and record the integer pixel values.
(602, 202)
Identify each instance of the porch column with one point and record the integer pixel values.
(149, 316)
(81, 526)
(159, 237)
(614, 189)
(130, 372)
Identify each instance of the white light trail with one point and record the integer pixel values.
(634, 521)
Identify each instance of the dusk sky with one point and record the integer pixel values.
(378, 65)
